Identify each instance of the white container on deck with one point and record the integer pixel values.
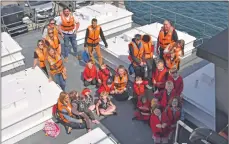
(11, 56)
(26, 104)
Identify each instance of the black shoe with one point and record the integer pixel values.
(115, 113)
(134, 118)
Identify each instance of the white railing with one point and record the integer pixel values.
(182, 124)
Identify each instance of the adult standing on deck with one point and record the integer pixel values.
(68, 24)
(92, 39)
(167, 35)
(52, 26)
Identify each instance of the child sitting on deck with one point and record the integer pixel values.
(143, 112)
(139, 89)
(104, 105)
(88, 98)
(90, 74)
(108, 87)
(103, 74)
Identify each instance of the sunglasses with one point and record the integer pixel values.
(50, 33)
(52, 23)
(40, 44)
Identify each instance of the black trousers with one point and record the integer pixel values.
(86, 83)
(151, 66)
(44, 70)
(90, 114)
(121, 97)
(76, 125)
(139, 71)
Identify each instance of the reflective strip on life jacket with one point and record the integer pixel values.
(67, 25)
(93, 36)
(56, 64)
(165, 40)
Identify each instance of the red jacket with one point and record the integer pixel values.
(90, 73)
(173, 118)
(160, 77)
(178, 84)
(147, 104)
(165, 98)
(139, 89)
(103, 75)
(154, 120)
(104, 87)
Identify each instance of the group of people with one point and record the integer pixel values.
(163, 108)
(158, 74)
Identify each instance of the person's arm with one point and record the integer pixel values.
(48, 70)
(174, 36)
(35, 59)
(132, 55)
(59, 47)
(97, 107)
(74, 109)
(103, 37)
(70, 119)
(77, 23)
(45, 33)
(86, 36)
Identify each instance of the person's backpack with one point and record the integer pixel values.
(131, 69)
(85, 56)
(51, 129)
(55, 114)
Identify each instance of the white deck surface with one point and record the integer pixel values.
(96, 136)
(11, 56)
(22, 103)
(201, 95)
(111, 19)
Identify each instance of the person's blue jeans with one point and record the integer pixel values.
(72, 39)
(58, 78)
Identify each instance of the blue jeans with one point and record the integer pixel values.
(58, 78)
(70, 38)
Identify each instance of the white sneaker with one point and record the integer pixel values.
(148, 86)
(130, 97)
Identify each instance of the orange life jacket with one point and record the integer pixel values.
(120, 83)
(54, 43)
(138, 52)
(68, 108)
(177, 51)
(148, 52)
(67, 25)
(93, 36)
(42, 56)
(171, 63)
(56, 64)
(55, 30)
(165, 40)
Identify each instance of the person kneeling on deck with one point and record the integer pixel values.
(104, 105)
(108, 87)
(103, 75)
(68, 24)
(148, 55)
(75, 99)
(51, 26)
(120, 84)
(65, 112)
(167, 35)
(159, 124)
(143, 113)
(171, 60)
(174, 113)
(92, 40)
(90, 74)
(139, 89)
(160, 76)
(40, 55)
(167, 94)
(57, 70)
(177, 81)
(136, 52)
(53, 41)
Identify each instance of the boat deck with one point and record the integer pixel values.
(120, 127)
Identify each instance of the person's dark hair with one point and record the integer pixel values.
(137, 37)
(138, 77)
(90, 61)
(93, 20)
(73, 95)
(109, 81)
(52, 19)
(178, 99)
(182, 43)
(39, 42)
(66, 8)
(146, 38)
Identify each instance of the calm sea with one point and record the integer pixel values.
(195, 18)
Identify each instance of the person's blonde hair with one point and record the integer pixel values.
(62, 96)
(73, 95)
(169, 83)
(104, 93)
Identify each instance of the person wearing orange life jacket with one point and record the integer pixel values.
(57, 70)
(177, 48)
(136, 52)
(92, 39)
(53, 41)
(166, 36)
(171, 60)
(120, 84)
(65, 112)
(51, 26)
(68, 25)
(148, 55)
(40, 55)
